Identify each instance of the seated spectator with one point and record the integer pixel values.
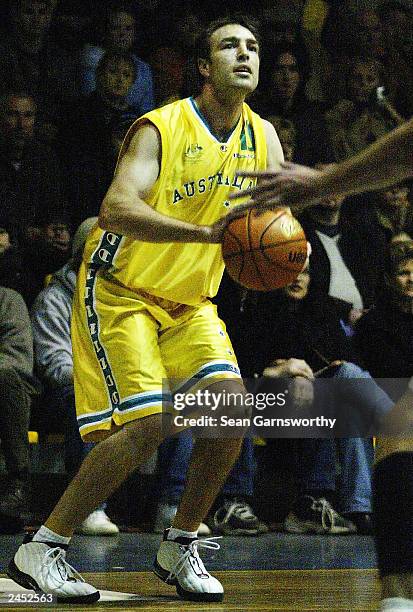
(17, 387)
(282, 94)
(45, 251)
(384, 335)
(30, 60)
(11, 262)
(30, 176)
(120, 33)
(51, 315)
(362, 116)
(348, 252)
(301, 337)
(394, 210)
(86, 128)
(232, 513)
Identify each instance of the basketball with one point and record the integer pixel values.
(264, 250)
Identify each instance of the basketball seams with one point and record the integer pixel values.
(252, 251)
(268, 246)
(253, 263)
(239, 254)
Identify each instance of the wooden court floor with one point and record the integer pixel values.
(344, 590)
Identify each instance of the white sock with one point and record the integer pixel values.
(180, 533)
(47, 535)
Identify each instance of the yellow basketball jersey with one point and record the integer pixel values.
(198, 172)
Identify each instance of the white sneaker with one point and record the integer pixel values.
(98, 524)
(42, 566)
(165, 514)
(396, 604)
(179, 563)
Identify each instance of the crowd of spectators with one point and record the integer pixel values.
(335, 76)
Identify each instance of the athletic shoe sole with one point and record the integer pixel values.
(309, 527)
(187, 595)
(28, 582)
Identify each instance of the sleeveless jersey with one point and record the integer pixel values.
(197, 174)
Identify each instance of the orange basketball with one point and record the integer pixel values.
(264, 250)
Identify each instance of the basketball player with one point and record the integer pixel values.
(142, 315)
(388, 161)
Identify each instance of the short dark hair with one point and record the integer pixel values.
(203, 44)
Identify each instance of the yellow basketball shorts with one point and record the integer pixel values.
(132, 352)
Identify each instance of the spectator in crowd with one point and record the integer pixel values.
(384, 335)
(30, 176)
(30, 60)
(395, 211)
(364, 114)
(11, 262)
(87, 126)
(348, 253)
(168, 68)
(232, 513)
(45, 251)
(120, 33)
(51, 316)
(302, 338)
(17, 387)
(283, 95)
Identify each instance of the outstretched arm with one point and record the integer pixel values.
(386, 162)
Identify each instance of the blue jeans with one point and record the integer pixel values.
(317, 457)
(174, 456)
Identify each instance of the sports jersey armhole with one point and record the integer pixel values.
(163, 138)
(163, 161)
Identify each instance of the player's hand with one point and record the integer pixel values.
(216, 231)
(294, 185)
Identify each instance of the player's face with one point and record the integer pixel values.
(403, 279)
(117, 79)
(234, 59)
(298, 289)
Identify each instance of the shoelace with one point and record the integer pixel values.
(55, 558)
(240, 508)
(328, 513)
(192, 550)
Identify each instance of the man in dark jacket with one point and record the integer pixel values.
(17, 386)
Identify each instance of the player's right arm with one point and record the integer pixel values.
(124, 210)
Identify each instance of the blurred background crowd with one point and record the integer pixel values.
(335, 76)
